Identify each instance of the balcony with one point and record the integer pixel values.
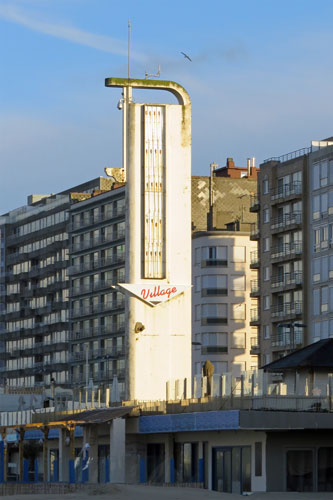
(255, 288)
(286, 222)
(100, 376)
(255, 348)
(286, 281)
(254, 203)
(92, 221)
(103, 354)
(94, 242)
(255, 233)
(287, 251)
(288, 310)
(254, 317)
(100, 308)
(287, 192)
(288, 340)
(96, 264)
(254, 259)
(97, 332)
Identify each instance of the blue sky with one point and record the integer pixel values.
(260, 81)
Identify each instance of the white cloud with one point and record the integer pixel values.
(66, 32)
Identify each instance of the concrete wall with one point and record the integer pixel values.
(163, 350)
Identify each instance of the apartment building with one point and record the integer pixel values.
(221, 273)
(294, 231)
(34, 313)
(97, 311)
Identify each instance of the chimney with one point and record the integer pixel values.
(230, 163)
(249, 167)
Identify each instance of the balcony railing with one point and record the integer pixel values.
(96, 332)
(93, 242)
(283, 221)
(254, 231)
(254, 342)
(287, 190)
(112, 352)
(287, 279)
(90, 221)
(287, 309)
(96, 264)
(109, 306)
(288, 249)
(254, 315)
(98, 285)
(255, 286)
(254, 203)
(254, 256)
(288, 339)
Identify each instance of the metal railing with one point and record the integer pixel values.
(93, 242)
(255, 286)
(254, 257)
(254, 314)
(91, 220)
(295, 278)
(289, 156)
(112, 352)
(254, 201)
(254, 229)
(286, 309)
(108, 306)
(96, 332)
(98, 285)
(288, 339)
(286, 220)
(288, 249)
(96, 264)
(294, 188)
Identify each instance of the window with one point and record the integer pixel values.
(267, 332)
(320, 174)
(197, 256)
(325, 467)
(258, 458)
(267, 358)
(238, 340)
(267, 302)
(197, 312)
(316, 270)
(215, 256)
(266, 244)
(213, 314)
(265, 186)
(214, 343)
(266, 215)
(266, 273)
(300, 470)
(238, 282)
(316, 208)
(238, 254)
(214, 284)
(197, 283)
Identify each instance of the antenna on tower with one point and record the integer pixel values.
(156, 75)
(129, 47)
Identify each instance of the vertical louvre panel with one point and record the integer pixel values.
(154, 208)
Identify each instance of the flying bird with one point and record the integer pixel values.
(186, 56)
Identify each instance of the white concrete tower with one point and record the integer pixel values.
(157, 165)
